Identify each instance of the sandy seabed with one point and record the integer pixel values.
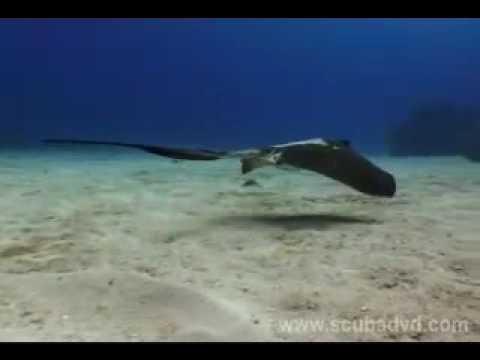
(114, 245)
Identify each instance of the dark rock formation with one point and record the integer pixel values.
(472, 150)
(438, 129)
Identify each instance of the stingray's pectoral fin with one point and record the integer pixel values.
(381, 183)
(344, 165)
(354, 170)
(173, 153)
(182, 154)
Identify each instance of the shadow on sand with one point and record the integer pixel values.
(295, 222)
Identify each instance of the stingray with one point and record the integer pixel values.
(335, 159)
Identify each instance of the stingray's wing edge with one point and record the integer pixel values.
(350, 168)
(174, 153)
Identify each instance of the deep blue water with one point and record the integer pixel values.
(229, 83)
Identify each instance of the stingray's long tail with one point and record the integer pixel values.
(174, 153)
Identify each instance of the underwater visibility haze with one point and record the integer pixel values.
(229, 82)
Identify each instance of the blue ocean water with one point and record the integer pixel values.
(229, 82)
